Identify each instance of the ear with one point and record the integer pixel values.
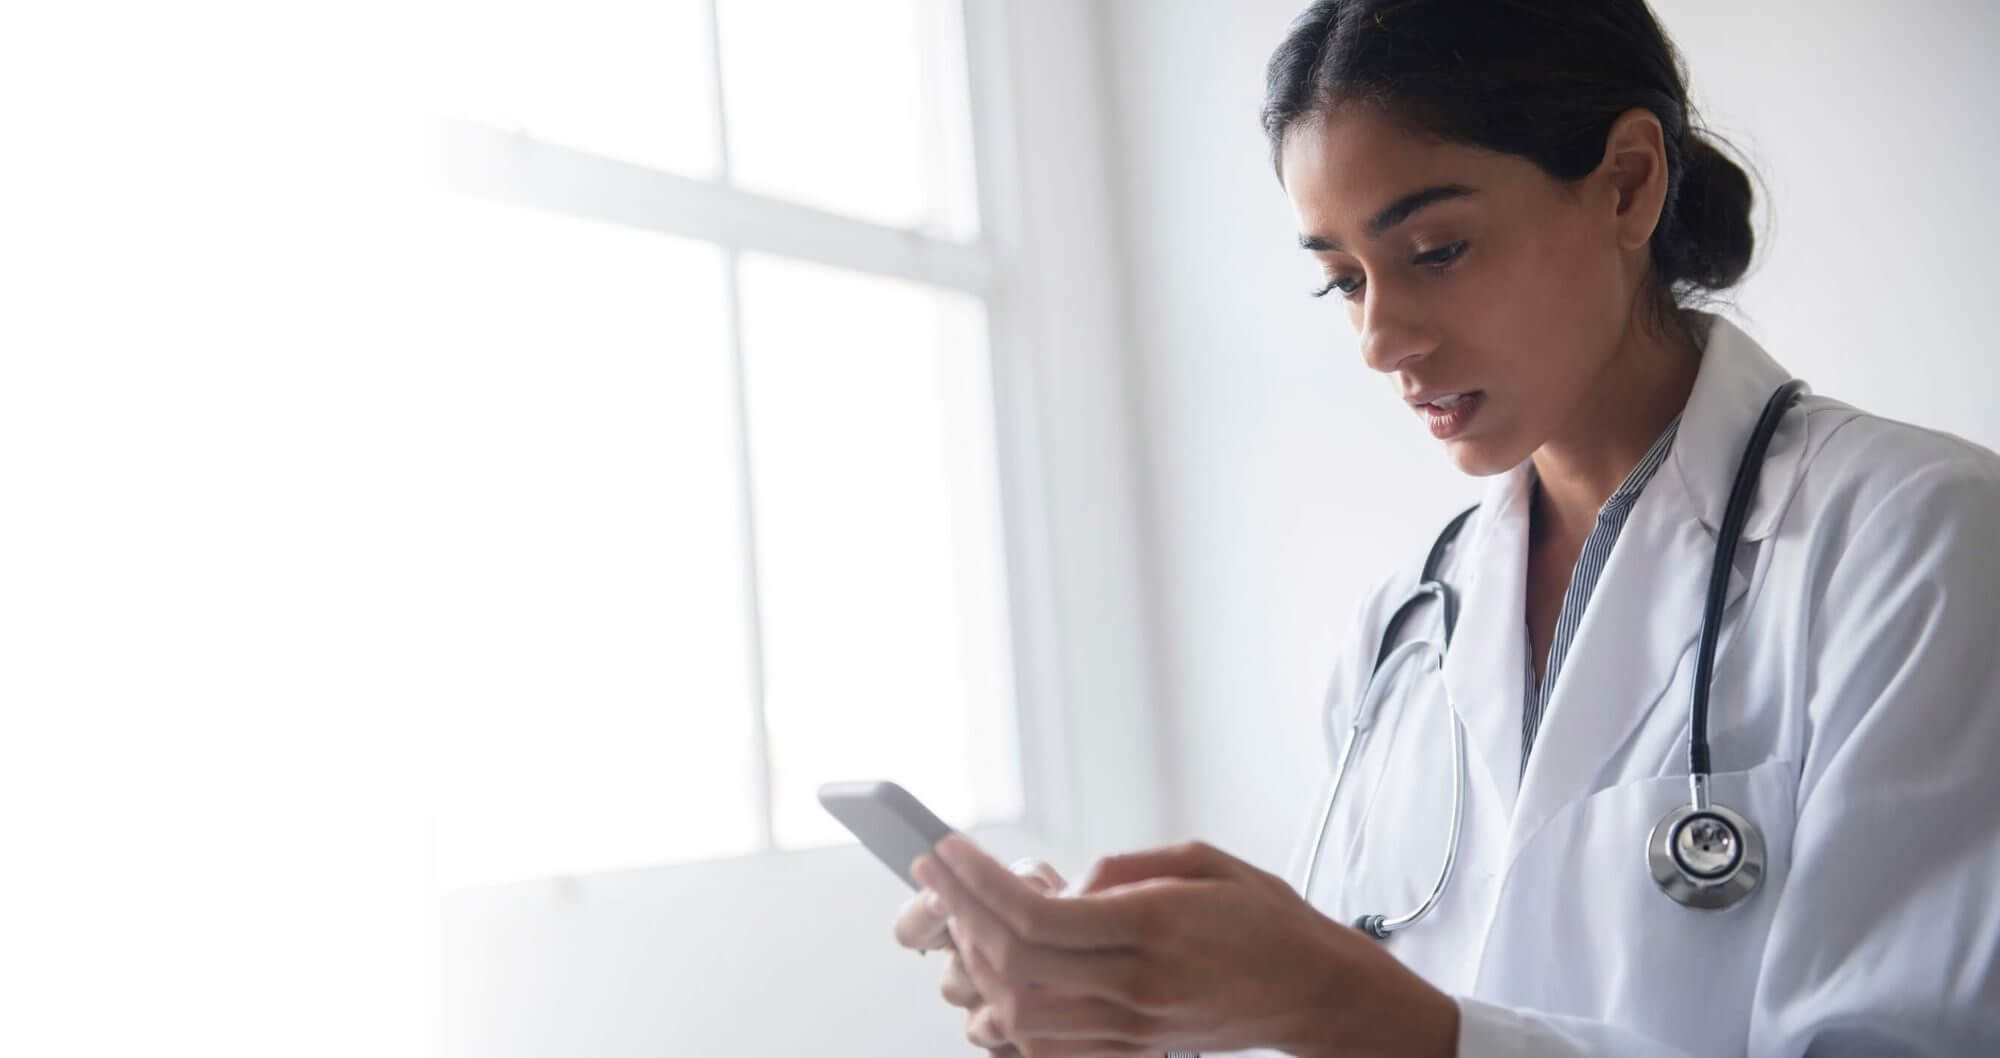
(1635, 167)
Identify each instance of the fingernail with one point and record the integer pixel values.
(933, 901)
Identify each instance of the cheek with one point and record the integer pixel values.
(1590, 270)
(1513, 309)
(1535, 316)
(1559, 310)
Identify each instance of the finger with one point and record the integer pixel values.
(991, 986)
(1193, 859)
(1052, 921)
(1039, 875)
(960, 990)
(979, 1035)
(1049, 1017)
(979, 1030)
(1010, 966)
(957, 987)
(1088, 1048)
(1012, 962)
(985, 980)
(920, 924)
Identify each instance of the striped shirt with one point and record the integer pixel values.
(1582, 581)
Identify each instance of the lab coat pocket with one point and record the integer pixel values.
(1581, 928)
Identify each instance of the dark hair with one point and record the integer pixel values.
(1542, 79)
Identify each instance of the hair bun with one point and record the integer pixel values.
(1708, 240)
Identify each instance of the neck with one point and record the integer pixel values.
(1644, 384)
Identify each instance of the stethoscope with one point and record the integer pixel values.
(1702, 854)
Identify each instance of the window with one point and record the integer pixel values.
(727, 481)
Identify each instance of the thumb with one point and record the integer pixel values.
(1040, 876)
(1191, 859)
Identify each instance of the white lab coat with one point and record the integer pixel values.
(1855, 719)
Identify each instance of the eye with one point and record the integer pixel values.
(1335, 284)
(1443, 255)
(1438, 258)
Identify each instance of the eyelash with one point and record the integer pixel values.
(1439, 258)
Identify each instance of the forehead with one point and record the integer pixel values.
(1341, 167)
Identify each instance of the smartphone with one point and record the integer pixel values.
(894, 825)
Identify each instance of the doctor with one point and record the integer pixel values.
(1514, 209)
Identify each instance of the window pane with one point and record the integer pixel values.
(858, 107)
(628, 79)
(591, 516)
(886, 648)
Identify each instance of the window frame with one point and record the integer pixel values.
(471, 158)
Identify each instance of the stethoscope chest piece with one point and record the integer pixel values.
(1705, 857)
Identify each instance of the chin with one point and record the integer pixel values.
(1480, 458)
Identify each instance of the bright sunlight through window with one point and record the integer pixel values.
(726, 483)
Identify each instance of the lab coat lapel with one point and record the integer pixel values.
(1644, 616)
(1483, 669)
(1737, 376)
(1641, 621)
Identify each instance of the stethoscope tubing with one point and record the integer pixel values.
(1675, 875)
(1379, 927)
(1728, 536)
(1375, 925)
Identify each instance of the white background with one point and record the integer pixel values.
(212, 380)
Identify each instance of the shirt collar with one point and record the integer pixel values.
(1635, 481)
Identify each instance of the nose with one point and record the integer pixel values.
(1391, 338)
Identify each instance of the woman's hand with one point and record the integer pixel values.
(1182, 948)
(921, 926)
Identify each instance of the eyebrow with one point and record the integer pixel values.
(1396, 213)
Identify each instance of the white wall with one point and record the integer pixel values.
(1275, 462)
(1283, 476)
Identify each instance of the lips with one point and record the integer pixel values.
(1448, 414)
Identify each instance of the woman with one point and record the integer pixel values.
(1512, 202)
